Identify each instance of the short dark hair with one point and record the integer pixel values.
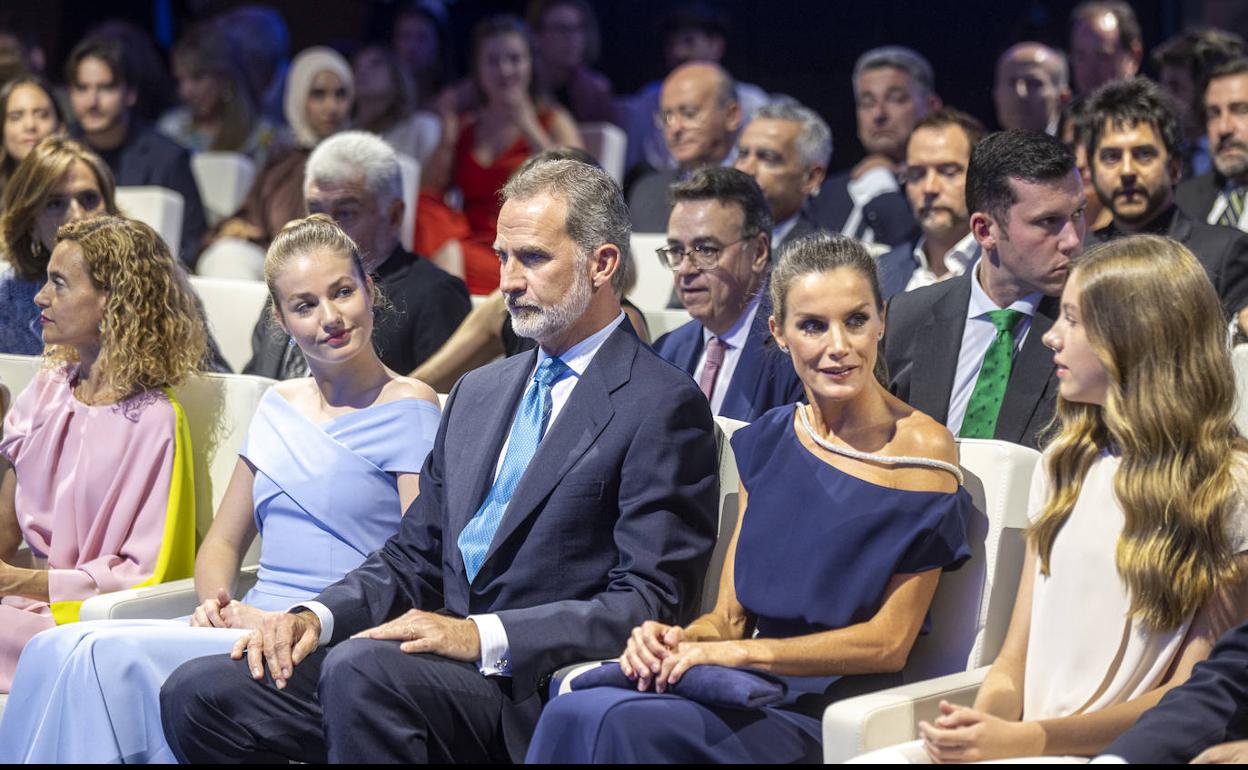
(1126, 103)
(108, 50)
(535, 15)
(699, 16)
(948, 116)
(1197, 51)
(1235, 66)
(1128, 25)
(727, 185)
(1022, 154)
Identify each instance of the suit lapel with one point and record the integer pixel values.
(1029, 376)
(743, 391)
(936, 348)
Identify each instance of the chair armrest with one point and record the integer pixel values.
(174, 599)
(865, 723)
(561, 680)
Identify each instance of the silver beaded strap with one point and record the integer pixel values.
(869, 457)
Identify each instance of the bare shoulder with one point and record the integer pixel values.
(920, 436)
(400, 388)
(297, 390)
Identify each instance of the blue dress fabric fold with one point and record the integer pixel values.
(817, 549)
(325, 497)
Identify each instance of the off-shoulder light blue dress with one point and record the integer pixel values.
(325, 497)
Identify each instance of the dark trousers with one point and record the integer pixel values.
(362, 701)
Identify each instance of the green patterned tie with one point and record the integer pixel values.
(985, 404)
(1234, 208)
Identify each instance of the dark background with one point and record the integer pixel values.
(805, 49)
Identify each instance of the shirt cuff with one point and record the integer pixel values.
(1108, 759)
(323, 614)
(495, 649)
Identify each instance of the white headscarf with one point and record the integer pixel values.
(303, 69)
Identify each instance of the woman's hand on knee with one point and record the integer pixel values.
(963, 734)
(686, 655)
(647, 646)
(208, 613)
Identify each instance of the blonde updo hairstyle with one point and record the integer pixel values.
(1154, 320)
(316, 233)
(153, 333)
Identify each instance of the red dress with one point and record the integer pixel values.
(474, 227)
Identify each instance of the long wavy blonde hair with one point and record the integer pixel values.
(1155, 322)
(153, 334)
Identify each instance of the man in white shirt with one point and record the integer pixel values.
(937, 157)
(569, 496)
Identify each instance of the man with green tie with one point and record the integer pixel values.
(968, 351)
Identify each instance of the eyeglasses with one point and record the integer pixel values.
(704, 256)
(687, 114)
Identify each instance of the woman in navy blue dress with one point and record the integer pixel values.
(851, 508)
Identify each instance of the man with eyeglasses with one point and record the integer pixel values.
(699, 115)
(719, 250)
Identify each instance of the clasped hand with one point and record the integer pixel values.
(962, 734)
(660, 653)
(224, 612)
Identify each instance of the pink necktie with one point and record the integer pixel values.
(714, 359)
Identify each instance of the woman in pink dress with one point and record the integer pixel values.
(98, 482)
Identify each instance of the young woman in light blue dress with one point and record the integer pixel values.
(328, 467)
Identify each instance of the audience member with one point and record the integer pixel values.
(121, 325)
(1218, 196)
(385, 104)
(858, 491)
(786, 147)
(59, 182)
(354, 178)
(1073, 130)
(421, 43)
(155, 91)
(566, 43)
(30, 113)
(1032, 86)
(719, 251)
(692, 32)
(969, 351)
(259, 38)
(937, 157)
(218, 109)
(479, 150)
(319, 92)
(1135, 553)
(371, 426)
(1183, 66)
(699, 113)
(1105, 44)
(491, 618)
(103, 94)
(1135, 151)
(893, 90)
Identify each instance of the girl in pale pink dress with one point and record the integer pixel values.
(99, 480)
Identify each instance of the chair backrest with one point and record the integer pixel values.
(661, 322)
(409, 170)
(223, 179)
(654, 281)
(729, 496)
(157, 207)
(1239, 359)
(971, 610)
(232, 307)
(16, 372)
(608, 144)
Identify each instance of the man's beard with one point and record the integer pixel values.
(1232, 166)
(542, 323)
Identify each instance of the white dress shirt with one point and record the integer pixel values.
(734, 339)
(956, 260)
(782, 230)
(495, 648)
(976, 337)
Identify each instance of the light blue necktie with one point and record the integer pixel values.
(526, 434)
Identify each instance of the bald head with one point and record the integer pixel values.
(699, 113)
(1032, 87)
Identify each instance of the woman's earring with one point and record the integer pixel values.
(290, 341)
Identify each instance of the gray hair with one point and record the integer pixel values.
(911, 61)
(347, 156)
(814, 140)
(597, 214)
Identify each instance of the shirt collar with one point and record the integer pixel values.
(981, 304)
(782, 230)
(579, 355)
(962, 253)
(735, 337)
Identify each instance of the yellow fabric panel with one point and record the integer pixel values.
(176, 559)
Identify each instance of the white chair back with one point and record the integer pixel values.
(223, 179)
(409, 169)
(729, 501)
(232, 307)
(1239, 359)
(661, 322)
(608, 144)
(654, 281)
(16, 372)
(971, 610)
(159, 208)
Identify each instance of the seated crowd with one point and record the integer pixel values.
(477, 463)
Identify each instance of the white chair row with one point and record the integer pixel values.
(223, 179)
(608, 144)
(232, 308)
(654, 284)
(157, 207)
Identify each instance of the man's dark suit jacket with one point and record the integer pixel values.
(1223, 251)
(898, 265)
(1211, 707)
(426, 303)
(922, 344)
(612, 523)
(763, 379)
(888, 216)
(648, 204)
(804, 226)
(148, 157)
(1197, 195)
